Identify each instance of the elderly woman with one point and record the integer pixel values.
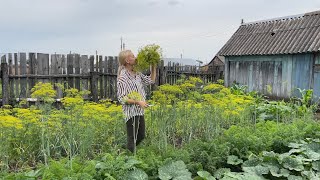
(129, 82)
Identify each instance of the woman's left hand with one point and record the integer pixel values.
(142, 104)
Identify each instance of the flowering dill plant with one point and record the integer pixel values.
(149, 55)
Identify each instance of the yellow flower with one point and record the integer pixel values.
(43, 91)
(194, 80)
(187, 86)
(72, 101)
(28, 115)
(135, 96)
(198, 106)
(10, 122)
(213, 88)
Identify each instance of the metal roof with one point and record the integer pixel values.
(181, 61)
(287, 35)
(216, 61)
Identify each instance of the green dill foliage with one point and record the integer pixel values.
(148, 55)
(43, 91)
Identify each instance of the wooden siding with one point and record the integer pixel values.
(274, 75)
(290, 35)
(316, 79)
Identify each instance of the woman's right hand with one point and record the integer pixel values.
(142, 104)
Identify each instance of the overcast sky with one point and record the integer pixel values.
(194, 28)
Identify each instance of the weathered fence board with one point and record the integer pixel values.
(101, 84)
(84, 67)
(43, 65)
(110, 59)
(70, 61)
(105, 77)
(58, 66)
(23, 71)
(33, 68)
(11, 89)
(77, 71)
(95, 73)
(5, 81)
(16, 68)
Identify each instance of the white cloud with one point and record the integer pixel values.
(173, 2)
(198, 29)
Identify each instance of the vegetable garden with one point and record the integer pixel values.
(194, 131)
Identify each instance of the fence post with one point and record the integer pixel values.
(161, 74)
(94, 86)
(5, 81)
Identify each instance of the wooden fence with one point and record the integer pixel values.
(96, 73)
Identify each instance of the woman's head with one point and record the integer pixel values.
(126, 57)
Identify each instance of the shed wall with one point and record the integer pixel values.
(274, 75)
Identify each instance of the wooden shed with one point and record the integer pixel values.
(276, 56)
(215, 66)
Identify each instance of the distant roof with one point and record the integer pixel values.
(217, 61)
(182, 61)
(285, 35)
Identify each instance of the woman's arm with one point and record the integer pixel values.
(153, 70)
(121, 91)
(147, 80)
(142, 104)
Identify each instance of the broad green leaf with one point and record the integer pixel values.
(205, 175)
(241, 176)
(231, 176)
(107, 157)
(314, 146)
(316, 165)
(234, 160)
(312, 155)
(220, 172)
(269, 156)
(293, 163)
(316, 140)
(174, 170)
(295, 151)
(292, 177)
(251, 162)
(183, 177)
(270, 162)
(34, 173)
(284, 172)
(258, 170)
(137, 174)
(249, 176)
(275, 171)
(283, 156)
(295, 145)
(101, 165)
(130, 163)
(310, 175)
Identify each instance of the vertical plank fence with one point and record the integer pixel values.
(94, 73)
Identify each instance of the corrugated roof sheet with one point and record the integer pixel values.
(216, 61)
(183, 61)
(289, 35)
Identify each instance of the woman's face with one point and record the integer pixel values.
(131, 59)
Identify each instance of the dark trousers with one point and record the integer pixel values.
(138, 132)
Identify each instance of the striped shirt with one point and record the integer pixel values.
(127, 84)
